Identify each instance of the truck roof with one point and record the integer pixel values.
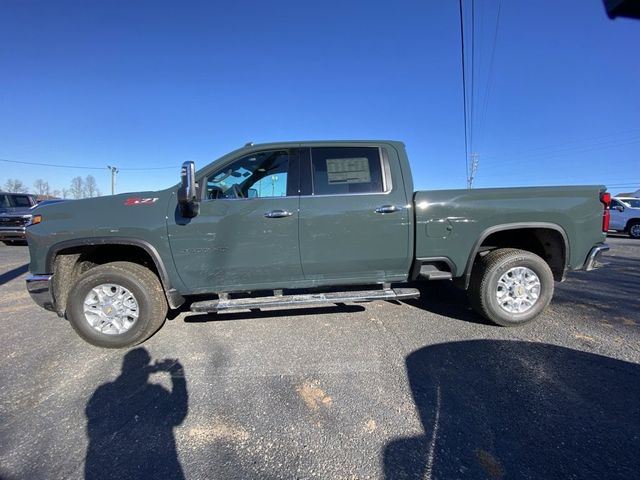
(290, 143)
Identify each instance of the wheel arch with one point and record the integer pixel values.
(98, 247)
(630, 222)
(558, 266)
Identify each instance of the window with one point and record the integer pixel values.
(21, 201)
(4, 201)
(345, 170)
(259, 175)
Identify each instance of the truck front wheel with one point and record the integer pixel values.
(117, 305)
(510, 287)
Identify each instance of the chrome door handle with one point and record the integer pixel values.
(278, 214)
(388, 209)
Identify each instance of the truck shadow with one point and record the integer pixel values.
(445, 299)
(511, 409)
(6, 277)
(130, 422)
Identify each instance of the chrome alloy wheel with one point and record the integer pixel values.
(634, 231)
(518, 290)
(111, 309)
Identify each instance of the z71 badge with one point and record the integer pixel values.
(140, 201)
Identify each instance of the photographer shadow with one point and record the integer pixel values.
(130, 422)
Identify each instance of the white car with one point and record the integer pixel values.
(625, 215)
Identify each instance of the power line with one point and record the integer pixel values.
(464, 92)
(580, 142)
(172, 167)
(485, 100)
(49, 164)
(56, 165)
(473, 72)
(516, 159)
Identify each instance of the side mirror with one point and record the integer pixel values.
(187, 193)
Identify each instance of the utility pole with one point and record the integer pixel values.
(473, 170)
(114, 172)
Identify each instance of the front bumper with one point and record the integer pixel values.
(14, 233)
(39, 287)
(592, 259)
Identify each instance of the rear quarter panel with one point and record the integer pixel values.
(449, 222)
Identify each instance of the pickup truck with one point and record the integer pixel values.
(302, 223)
(625, 215)
(15, 214)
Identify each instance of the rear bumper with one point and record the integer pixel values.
(592, 259)
(39, 287)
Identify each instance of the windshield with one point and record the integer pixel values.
(15, 201)
(631, 202)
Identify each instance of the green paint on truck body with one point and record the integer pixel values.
(327, 240)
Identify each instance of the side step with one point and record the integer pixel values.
(226, 303)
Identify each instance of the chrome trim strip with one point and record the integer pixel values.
(592, 258)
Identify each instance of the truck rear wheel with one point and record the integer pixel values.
(117, 305)
(510, 287)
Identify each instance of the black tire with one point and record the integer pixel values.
(634, 232)
(146, 289)
(486, 273)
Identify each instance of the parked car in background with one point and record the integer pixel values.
(15, 215)
(625, 215)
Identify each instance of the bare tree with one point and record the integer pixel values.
(14, 185)
(41, 187)
(91, 187)
(55, 193)
(77, 187)
(64, 193)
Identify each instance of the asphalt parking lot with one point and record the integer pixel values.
(423, 389)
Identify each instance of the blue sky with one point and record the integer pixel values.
(149, 84)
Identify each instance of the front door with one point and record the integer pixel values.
(246, 234)
(354, 221)
(617, 220)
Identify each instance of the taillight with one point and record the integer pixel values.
(605, 198)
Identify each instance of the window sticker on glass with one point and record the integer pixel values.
(348, 170)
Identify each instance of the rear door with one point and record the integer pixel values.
(354, 220)
(246, 234)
